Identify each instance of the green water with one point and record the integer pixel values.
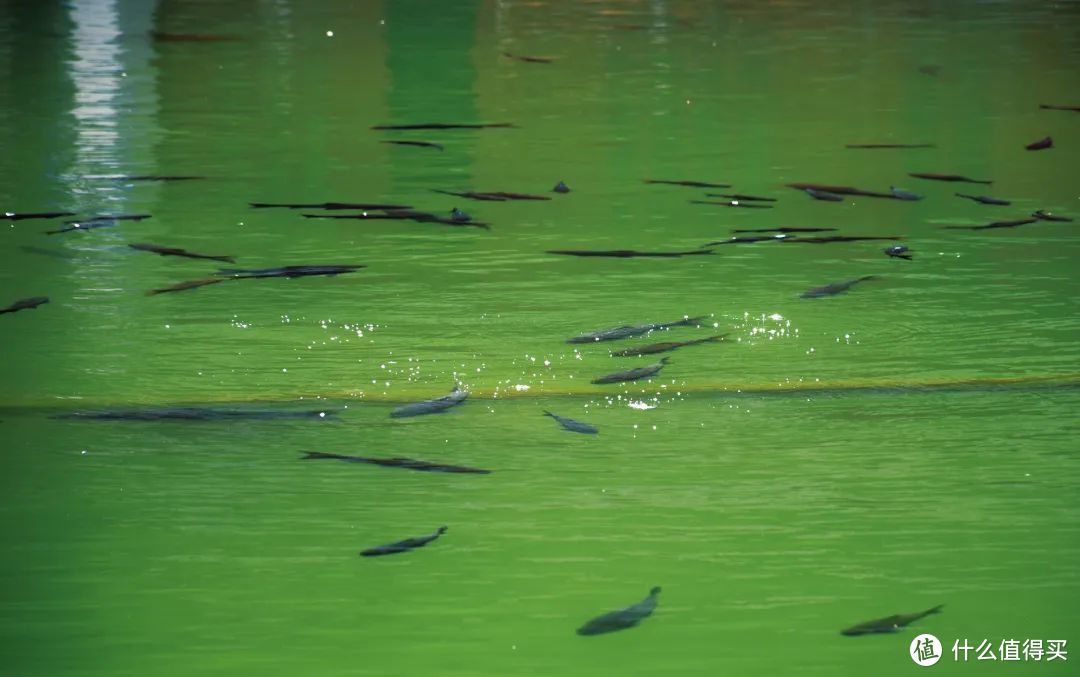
(907, 444)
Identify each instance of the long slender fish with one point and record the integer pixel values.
(691, 184)
(289, 271)
(731, 203)
(188, 284)
(174, 251)
(632, 374)
(492, 196)
(16, 216)
(783, 229)
(572, 425)
(890, 145)
(443, 125)
(1046, 106)
(404, 215)
(627, 331)
(746, 239)
(889, 623)
(330, 205)
(839, 238)
(403, 546)
(956, 178)
(898, 252)
(823, 195)
(196, 414)
(406, 463)
(627, 253)
(25, 304)
(418, 144)
(666, 346)
(995, 224)
(985, 199)
(835, 288)
(839, 190)
(1047, 216)
(438, 405)
(83, 225)
(113, 217)
(622, 618)
(903, 194)
(1041, 144)
(528, 59)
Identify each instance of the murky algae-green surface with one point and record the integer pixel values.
(910, 443)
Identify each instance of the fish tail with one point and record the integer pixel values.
(935, 610)
(224, 259)
(442, 529)
(864, 278)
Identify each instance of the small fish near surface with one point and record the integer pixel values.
(561, 187)
(732, 203)
(436, 406)
(196, 414)
(528, 59)
(898, 252)
(83, 225)
(25, 304)
(174, 251)
(403, 546)
(329, 205)
(985, 199)
(572, 425)
(1041, 144)
(954, 178)
(16, 216)
(226, 274)
(406, 463)
(835, 288)
(1047, 216)
(622, 618)
(417, 144)
(995, 225)
(665, 346)
(626, 331)
(690, 184)
(889, 623)
(627, 253)
(634, 374)
(447, 125)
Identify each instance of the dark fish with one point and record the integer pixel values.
(823, 195)
(623, 618)
(83, 225)
(1053, 107)
(995, 224)
(947, 177)
(458, 216)
(419, 144)
(438, 405)
(626, 253)
(195, 414)
(666, 346)
(732, 203)
(493, 196)
(632, 374)
(838, 238)
(289, 271)
(1047, 216)
(839, 190)
(692, 184)
(14, 216)
(442, 125)
(572, 425)
(835, 288)
(747, 240)
(626, 331)
(783, 229)
(891, 145)
(898, 252)
(331, 205)
(984, 199)
(190, 284)
(903, 194)
(173, 251)
(401, 215)
(25, 304)
(737, 196)
(528, 59)
(560, 187)
(406, 463)
(889, 623)
(113, 217)
(1041, 144)
(403, 546)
